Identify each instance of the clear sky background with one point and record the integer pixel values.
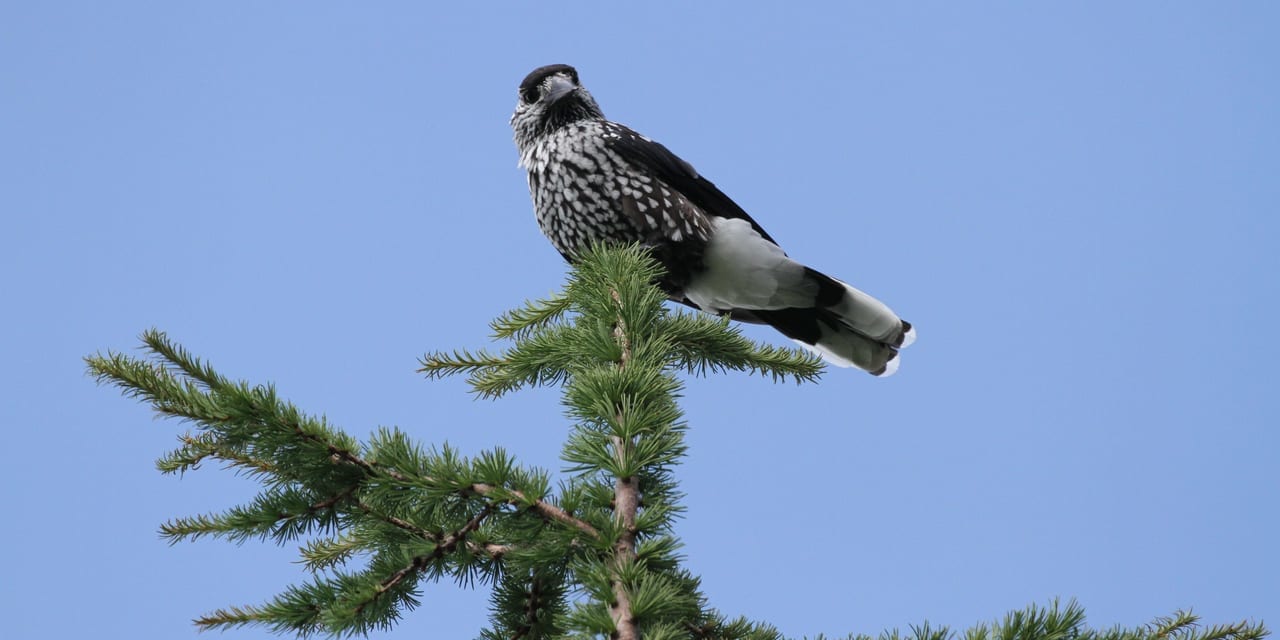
(1075, 203)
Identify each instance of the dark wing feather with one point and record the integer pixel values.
(651, 156)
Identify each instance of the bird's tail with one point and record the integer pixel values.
(845, 326)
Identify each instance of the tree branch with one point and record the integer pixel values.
(547, 510)
(626, 499)
(542, 508)
(608, 343)
(203, 448)
(447, 545)
(530, 608)
(491, 549)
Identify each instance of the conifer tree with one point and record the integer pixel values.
(590, 554)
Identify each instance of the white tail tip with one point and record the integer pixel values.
(890, 367)
(908, 337)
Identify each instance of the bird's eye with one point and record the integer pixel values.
(530, 94)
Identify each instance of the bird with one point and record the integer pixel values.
(596, 181)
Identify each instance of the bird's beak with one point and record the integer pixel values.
(561, 86)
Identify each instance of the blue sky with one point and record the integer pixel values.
(1075, 203)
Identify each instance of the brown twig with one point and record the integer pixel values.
(212, 450)
(447, 545)
(544, 509)
(398, 523)
(491, 549)
(530, 608)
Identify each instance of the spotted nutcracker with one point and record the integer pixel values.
(593, 180)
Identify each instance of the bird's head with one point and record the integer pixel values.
(549, 98)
